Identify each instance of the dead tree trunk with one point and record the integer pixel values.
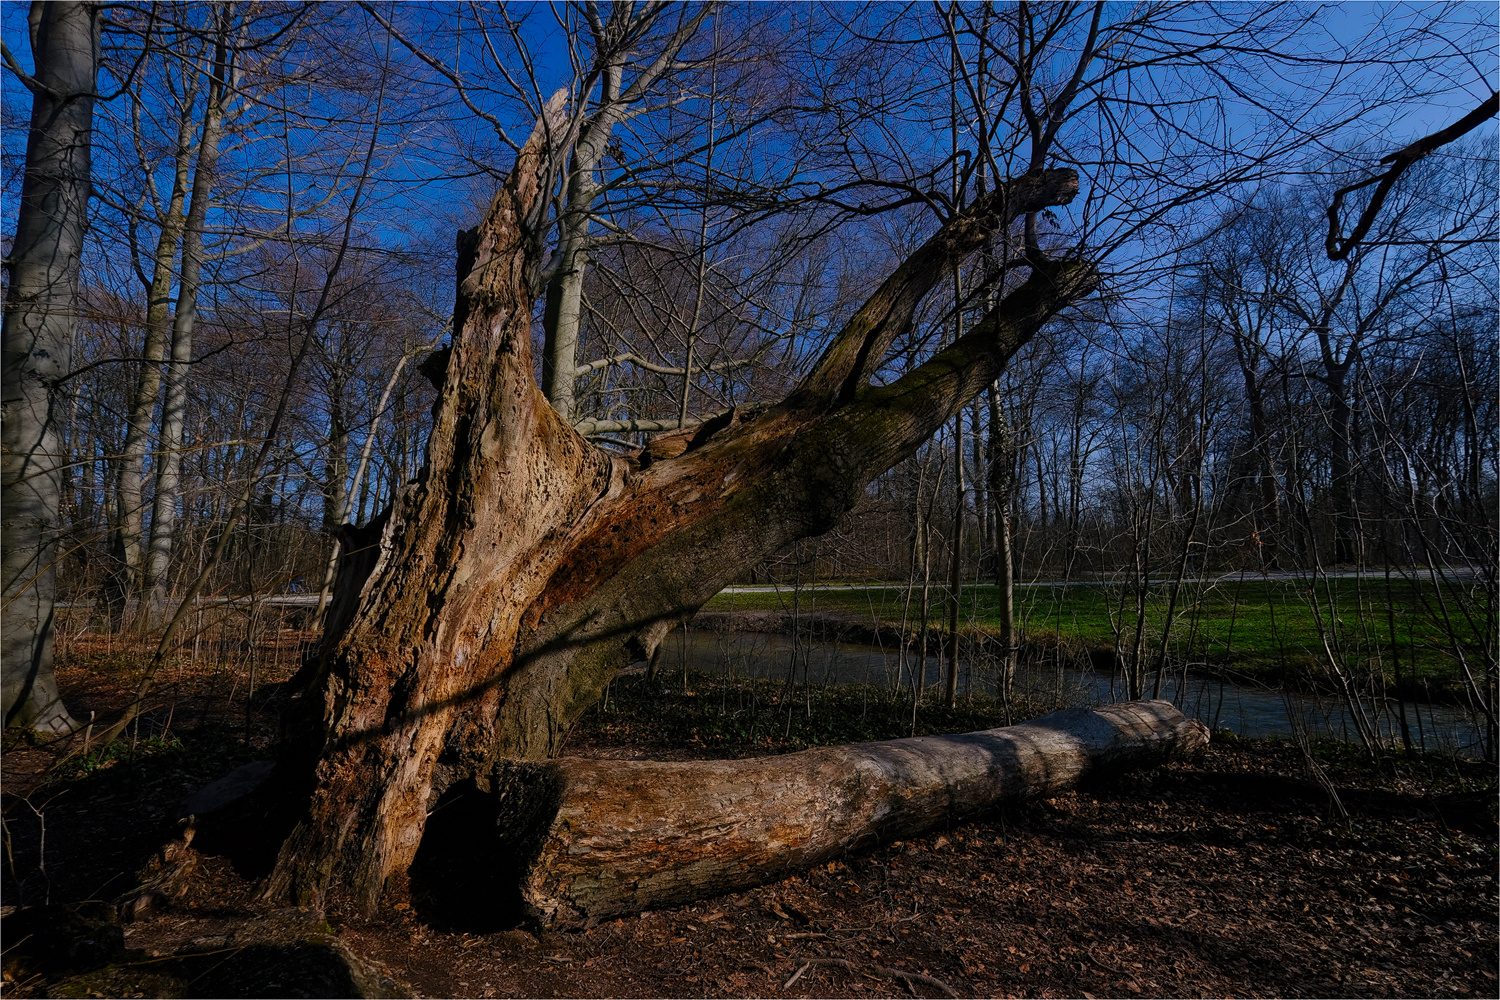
(600, 837)
(524, 567)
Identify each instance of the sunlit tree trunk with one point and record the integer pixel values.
(562, 318)
(164, 512)
(131, 496)
(41, 305)
(574, 825)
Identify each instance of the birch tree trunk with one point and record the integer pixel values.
(562, 319)
(41, 307)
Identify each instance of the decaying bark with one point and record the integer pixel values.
(600, 837)
(524, 566)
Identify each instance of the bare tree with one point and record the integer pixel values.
(558, 564)
(625, 56)
(644, 547)
(40, 314)
(130, 496)
(1336, 245)
(219, 84)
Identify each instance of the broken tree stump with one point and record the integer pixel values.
(592, 838)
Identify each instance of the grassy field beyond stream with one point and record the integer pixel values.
(1410, 637)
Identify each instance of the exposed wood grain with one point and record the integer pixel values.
(598, 837)
(523, 567)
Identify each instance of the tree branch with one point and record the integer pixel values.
(917, 404)
(590, 428)
(30, 82)
(640, 362)
(1337, 247)
(450, 75)
(860, 347)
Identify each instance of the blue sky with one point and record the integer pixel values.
(422, 196)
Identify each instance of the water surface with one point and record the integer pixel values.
(1244, 709)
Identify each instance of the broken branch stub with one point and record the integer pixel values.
(593, 838)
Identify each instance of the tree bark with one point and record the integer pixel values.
(131, 497)
(523, 567)
(562, 317)
(592, 838)
(184, 321)
(1002, 477)
(41, 306)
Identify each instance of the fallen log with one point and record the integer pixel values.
(592, 838)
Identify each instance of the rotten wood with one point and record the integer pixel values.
(524, 567)
(592, 838)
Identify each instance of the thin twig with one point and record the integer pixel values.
(796, 975)
(908, 977)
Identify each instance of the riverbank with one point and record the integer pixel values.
(1254, 870)
(1298, 672)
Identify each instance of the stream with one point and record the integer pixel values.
(1246, 710)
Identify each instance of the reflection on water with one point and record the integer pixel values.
(1246, 710)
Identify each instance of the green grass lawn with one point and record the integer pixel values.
(1268, 629)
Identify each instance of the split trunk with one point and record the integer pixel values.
(524, 566)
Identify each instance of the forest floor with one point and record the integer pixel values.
(1258, 869)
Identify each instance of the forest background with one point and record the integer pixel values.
(270, 255)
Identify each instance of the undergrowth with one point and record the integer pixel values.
(121, 751)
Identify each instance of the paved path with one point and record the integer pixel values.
(1452, 575)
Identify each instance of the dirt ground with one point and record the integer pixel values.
(1238, 874)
